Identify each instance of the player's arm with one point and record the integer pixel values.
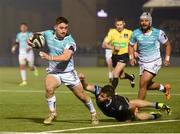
(132, 49)
(168, 53)
(131, 52)
(135, 51)
(60, 58)
(164, 40)
(86, 86)
(107, 41)
(14, 47)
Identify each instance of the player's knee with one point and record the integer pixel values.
(139, 117)
(22, 67)
(49, 89)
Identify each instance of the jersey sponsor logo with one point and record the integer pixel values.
(125, 35)
(121, 45)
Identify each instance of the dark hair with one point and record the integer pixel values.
(119, 19)
(23, 23)
(60, 20)
(108, 89)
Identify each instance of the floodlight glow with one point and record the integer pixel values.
(102, 14)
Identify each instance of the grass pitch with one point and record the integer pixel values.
(23, 109)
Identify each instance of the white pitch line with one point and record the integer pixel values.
(67, 92)
(108, 126)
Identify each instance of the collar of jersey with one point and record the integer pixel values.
(109, 102)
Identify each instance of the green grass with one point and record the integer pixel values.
(22, 109)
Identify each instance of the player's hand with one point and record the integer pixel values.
(29, 41)
(13, 49)
(136, 54)
(133, 62)
(81, 76)
(166, 63)
(44, 55)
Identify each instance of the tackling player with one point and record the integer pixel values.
(148, 40)
(119, 107)
(117, 39)
(26, 53)
(61, 47)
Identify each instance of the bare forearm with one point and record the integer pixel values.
(131, 51)
(168, 50)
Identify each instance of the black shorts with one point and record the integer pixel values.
(125, 113)
(124, 58)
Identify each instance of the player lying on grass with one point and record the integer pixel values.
(119, 107)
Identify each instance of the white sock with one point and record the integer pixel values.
(52, 104)
(110, 75)
(23, 75)
(91, 106)
(161, 88)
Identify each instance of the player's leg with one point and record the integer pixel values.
(22, 66)
(130, 77)
(110, 69)
(51, 83)
(30, 59)
(71, 80)
(116, 73)
(163, 88)
(145, 79)
(147, 116)
(108, 55)
(80, 93)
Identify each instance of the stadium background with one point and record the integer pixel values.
(88, 29)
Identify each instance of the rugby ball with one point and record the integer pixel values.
(37, 40)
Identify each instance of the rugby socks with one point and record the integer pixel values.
(155, 105)
(23, 75)
(110, 75)
(115, 83)
(52, 104)
(91, 107)
(162, 89)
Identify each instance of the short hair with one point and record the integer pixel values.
(23, 23)
(108, 90)
(119, 19)
(60, 20)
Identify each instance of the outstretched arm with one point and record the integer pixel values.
(86, 86)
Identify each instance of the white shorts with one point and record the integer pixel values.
(152, 67)
(108, 54)
(70, 79)
(28, 57)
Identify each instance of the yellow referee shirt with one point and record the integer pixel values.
(119, 39)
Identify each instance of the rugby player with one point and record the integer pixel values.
(119, 107)
(117, 39)
(148, 40)
(26, 53)
(61, 47)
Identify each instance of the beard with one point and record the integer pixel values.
(145, 28)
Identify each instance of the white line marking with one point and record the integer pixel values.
(108, 126)
(67, 92)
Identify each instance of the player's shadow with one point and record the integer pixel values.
(33, 119)
(40, 120)
(74, 121)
